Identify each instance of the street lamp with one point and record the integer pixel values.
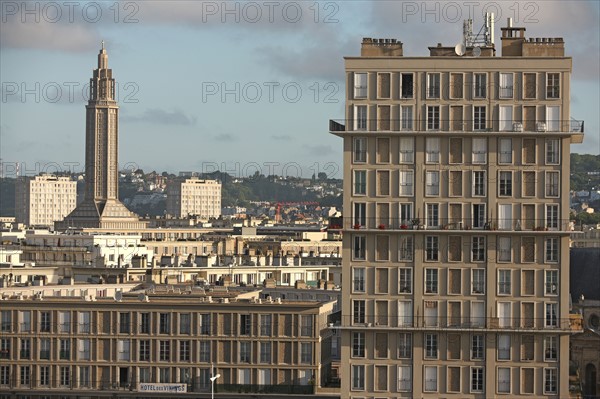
(212, 385)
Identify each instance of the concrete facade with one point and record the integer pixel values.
(194, 197)
(45, 199)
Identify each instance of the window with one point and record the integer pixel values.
(407, 153)
(45, 321)
(245, 352)
(478, 281)
(504, 249)
(551, 282)
(504, 282)
(478, 249)
(25, 352)
(503, 347)
(383, 182)
(406, 213)
(358, 250)
(432, 215)
(431, 281)
(360, 182)
(45, 376)
(552, 216)
(405, 280)
(165, 350)
(479, 183)
(205, 351)
(360, 117)
(433, 85)
(479, 118)
(306, 326)
(404, 345)
(552, 184)
(360, 214)
(551, 315)
(145, 323)
(503, 380)
(480, 85)
(124, 321)
(84, 322)
(358, 377)
(25, 375)
(505, 184)
(432, 183)
(456, 85)
(552, 85)
(360, 150)
(45, 348)
(306, 353)
(383, 117)
(25, 320)
(5, 348)
(430, 379)
(165, 323)
(84, 377)
(83, 349)
(64, 321)
(204, 324)
(358, 344)
(185, 324)
(476, 379)
(406, 183)
(184, 351)
(479, 216)
(433, 117)
(406, 121)
(405, 313)
(432, 150)
(406, 85)
(529, 85)
(431, 346)
(144, 350)
(266, 321)
(551, 249)
(506, 85)
(123, 349)
(265, 352)
(359, 279)
(4, 375)
(404, 379)
(245, 324)
(550, 380)
(6, 321)
(65, 375)
(505, 150)
(358, 313)
(477, 347)
(360, 85)
(552, 152)
(432, 248)
(550, 348)
(479, 149)
(164, 374)
(383, 85)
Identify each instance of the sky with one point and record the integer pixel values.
(239, 86)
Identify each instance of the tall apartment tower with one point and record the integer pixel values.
(194, 196)
(101, 207)
(45, 199)
(456, 244)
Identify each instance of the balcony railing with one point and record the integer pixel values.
(462, 322)
(445, 125)
(464, 224)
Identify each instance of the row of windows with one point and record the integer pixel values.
(455, 86)
(510, 184)
(453, 280)
(453, 252)
(450, 346)
(479, 118)
(459, 314)
(168, 323)
(504, 379)
(161, 350)
(456, 149)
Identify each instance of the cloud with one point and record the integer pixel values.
(283, 137)
(224, 137)
(161, 117)
(318, 150)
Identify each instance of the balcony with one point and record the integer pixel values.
(65, 355)
(453, 224)
(506, 127)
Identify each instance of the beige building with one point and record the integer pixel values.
(455, 253)
(194, 197)
(162, 336)
(45, 199)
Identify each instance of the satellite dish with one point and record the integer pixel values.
(476, 51)
(460, 49)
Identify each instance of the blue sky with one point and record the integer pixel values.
(173, 59)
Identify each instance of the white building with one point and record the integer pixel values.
(42, 200)
(194, 196)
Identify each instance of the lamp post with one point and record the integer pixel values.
(212, 385)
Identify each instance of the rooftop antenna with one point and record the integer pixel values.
(485, 36)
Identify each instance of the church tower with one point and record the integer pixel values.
(101, 207)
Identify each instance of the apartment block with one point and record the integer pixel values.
(194, 197)
(456, 231)
(89, 345)
(45, 199)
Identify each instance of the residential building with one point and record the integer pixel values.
(456, 230)
(45, 199)
(194, 197)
